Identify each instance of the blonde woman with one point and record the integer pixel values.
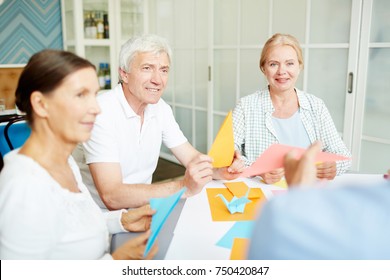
(281, 113)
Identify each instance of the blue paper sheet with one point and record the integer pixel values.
(238, 230)
(163, 207)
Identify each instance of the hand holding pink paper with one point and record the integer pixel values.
(273, 158)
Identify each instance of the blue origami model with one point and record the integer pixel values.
(236, 204)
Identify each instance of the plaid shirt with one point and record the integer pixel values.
(254, 132)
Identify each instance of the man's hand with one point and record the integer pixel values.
(138, 219)
(198, 173)
(273, 176)
(302, 171)
(326, 170)
(233, 171)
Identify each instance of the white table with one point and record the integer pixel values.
(195, 235)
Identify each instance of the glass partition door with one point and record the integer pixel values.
(372, 126)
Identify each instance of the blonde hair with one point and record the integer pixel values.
(277, 40)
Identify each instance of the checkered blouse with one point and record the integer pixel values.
(254, 132)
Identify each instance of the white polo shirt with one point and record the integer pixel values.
(117, 136)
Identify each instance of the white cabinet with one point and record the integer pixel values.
(125, 17)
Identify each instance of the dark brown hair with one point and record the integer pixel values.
(44, 72)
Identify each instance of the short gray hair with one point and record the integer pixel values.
(144, 43)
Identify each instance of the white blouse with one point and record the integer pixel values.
(41, 220)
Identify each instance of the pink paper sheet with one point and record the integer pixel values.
(273, 158)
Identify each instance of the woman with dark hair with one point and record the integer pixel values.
(46, 212)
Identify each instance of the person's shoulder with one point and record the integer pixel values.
(161, 102)
(111, 105)
(308, 97)
(253, 97)
(15, 163)
(21, 175)
(160, 106)
(106, 95)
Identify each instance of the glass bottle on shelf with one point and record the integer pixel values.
(106, 34)
(99, 25)
(80, 31)
(87, 25)
(108, 76)
(102, 75)
(93, 31)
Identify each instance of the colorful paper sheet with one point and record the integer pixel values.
(282, 183)
(219, 212)
(222, 150)
(238, 230)
(277, 192)
(239, 249)
(273, 157)
(239, 189)
(163, 207)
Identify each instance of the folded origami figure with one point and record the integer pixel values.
(236, 204)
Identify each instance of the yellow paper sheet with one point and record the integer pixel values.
(239, 249)
(218, 209)
(239, 189)
(222, 150)
(282, 183)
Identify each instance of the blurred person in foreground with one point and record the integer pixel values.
(347, 222)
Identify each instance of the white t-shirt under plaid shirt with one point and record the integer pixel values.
(254, 131)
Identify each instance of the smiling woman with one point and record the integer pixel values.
(281, 113)
(41, 184)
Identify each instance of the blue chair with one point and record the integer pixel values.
(15, 131)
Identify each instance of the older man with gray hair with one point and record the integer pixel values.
(123, 151)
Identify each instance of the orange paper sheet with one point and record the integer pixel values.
(222, 150)
(239, 189)
(273, 158)
(218, 209)
(239, 249)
